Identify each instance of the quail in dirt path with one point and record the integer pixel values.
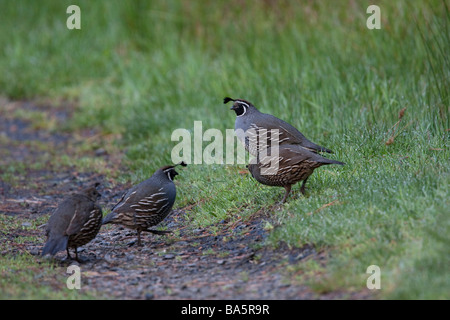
(146, 204)
(251, 126)
(291, 165)
(75, 222)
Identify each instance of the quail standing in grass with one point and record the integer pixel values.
(291, 164)
(146, 204)
(75, 222)
(251, 126)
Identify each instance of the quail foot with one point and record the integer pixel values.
(257, 130)
(146, 204)
(286, 166)
(75, 222)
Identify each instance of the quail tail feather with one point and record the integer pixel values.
(323, 149)
(54, 245)
(329, 161)
(109, 218)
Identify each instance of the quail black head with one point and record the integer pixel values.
(146, 204)
(252, 126)
(286, 167)
(75, 222)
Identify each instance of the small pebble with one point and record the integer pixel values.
(149, 296)
(100, 152)
(35, 252)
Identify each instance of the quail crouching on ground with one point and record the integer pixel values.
(251, 125)
(292, 164)
(146, 204)
(75, 222)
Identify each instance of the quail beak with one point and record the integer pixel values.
(233, 107)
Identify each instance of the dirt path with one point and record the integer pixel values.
(231, 263)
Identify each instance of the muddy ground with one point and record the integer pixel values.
(191, 263)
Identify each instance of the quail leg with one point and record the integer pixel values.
(68, 254)
(139, 243)
(76, 254)
(288, 190)
(302, 188)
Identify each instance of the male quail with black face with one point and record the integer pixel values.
(291, 165)
(251, 125)
(75, 222)
(146, 204)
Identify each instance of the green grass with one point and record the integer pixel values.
(143, 69)
(25, 278)
(22, 275)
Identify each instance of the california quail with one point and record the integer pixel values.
(146, 204)
(292, 164)
(75, 222)
(251, 125)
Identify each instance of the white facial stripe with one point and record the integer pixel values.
(245, 103)
(245, 108)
